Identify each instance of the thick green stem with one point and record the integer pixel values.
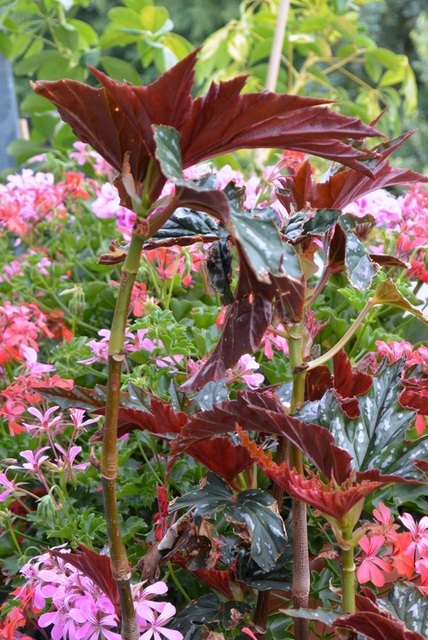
(301, 573)
(109, 464)
(348, 575)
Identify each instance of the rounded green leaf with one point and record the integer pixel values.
(120, 70)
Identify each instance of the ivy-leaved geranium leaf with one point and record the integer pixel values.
(218, 263)
(321, 222)
(258, 510)
(185, 222)
(254, 508)
(410, 606)
(376, 439)
(359, 268)
(387, 293)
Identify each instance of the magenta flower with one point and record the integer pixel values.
(35, 368)
(143, 601)
(45, 423)
(369, 567)
(157, 623)
(95, 623)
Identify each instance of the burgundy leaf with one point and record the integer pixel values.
(317, 381)
(257, 411)
(337, 249)
(331, 499)
(119, 118)
(95, 566)
(375, 623)
(217, 579)
(415, 395)
(344, 187)
(348, 384)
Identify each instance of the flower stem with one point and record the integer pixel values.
(109, 463)
(342, 342)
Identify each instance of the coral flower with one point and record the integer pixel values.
(370, 567)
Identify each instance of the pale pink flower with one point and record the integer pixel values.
(419, 531)
(157, 623)
(67, 462)
(107, 204)
(10, 485)
(35, 368)
(34, 460)
(244, 370)
(45, 423)
(77, 416)
(381, 205)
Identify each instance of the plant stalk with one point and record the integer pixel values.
(278, 42)
(109, 463)
(301, 573)
(348, 575)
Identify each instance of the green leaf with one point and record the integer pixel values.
(120, 70)
(376, 440)
(126, 18)
(24, 149)
(326, 616)
(359, 268)
(33, 103)
(153, 18)
(253, 507)
(67, 35)
(387, 293)
(410, 606)
(86, 32)
(321, 222)
(238, 46)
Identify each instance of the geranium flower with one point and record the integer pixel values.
(419, 531)
(369, 570)
(34, 460)
(157, 623)
(383, 514)
(45, 423)
(244, 370)
(95, 624)
(402, 557)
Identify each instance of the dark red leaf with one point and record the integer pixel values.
(119, 118)
(331, 499)
(317, 381)
(262, 411)
(221, 581)
(348, 384)
(375, 623)
(95, 566)
(415, 395)
(337, 249)
(344, 187)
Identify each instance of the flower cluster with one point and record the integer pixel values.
(59, 597)
(28, 198)
(386, 551)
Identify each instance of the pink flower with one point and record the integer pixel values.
(9, 484)
(419, 531)
(35, 368)
(68, 460)
(95, 624)
(244, 370)
(45, 423)
(107, 204)
(381, 205)
(157, 622)
(34, 460)
(369, 567)
(383, 515)
(143, 600)
(77, 418)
